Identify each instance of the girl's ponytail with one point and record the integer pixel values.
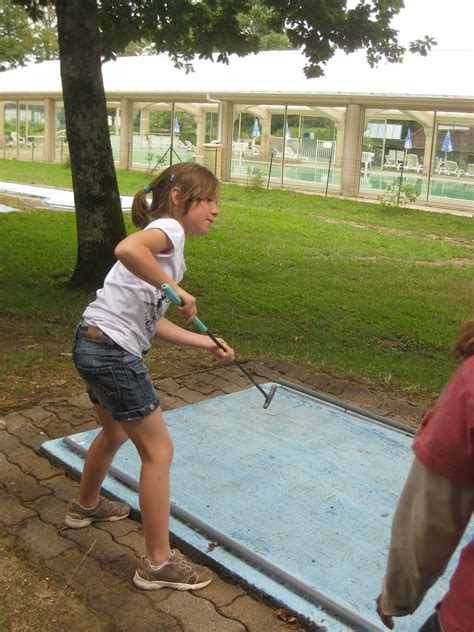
(140, 209)
(464, 344)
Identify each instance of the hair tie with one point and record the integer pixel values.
(147, 188)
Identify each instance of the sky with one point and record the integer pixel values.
(450, 22)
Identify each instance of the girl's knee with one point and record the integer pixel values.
(159, 453)
(114, 440)
(166, 450)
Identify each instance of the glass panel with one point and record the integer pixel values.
(23, 130)
(255, 154)
(428, 152)
(394, 147)
(310, 149)
(280, 144)
(34, 129)
(151, 136)
(170, 133)
(212, 126)
(8, 136)
(113, 121)
(62, 147)
(452, 169)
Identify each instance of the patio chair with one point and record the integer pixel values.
(367, 157)
(189, 146)
(412, 163)
(392, 159)
(438, 164)
(289, 153)
(469, 170)
(449, 168)
(17, 139)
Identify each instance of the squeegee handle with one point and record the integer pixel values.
(176, 299)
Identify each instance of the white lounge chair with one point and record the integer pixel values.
(449, 168)
(412, 163)
(394, 159)
(19, 140)
(189, 146)
(469, 170)
(438, 164)
(289, 153)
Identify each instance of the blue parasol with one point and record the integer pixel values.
(408, 143)
(176, 129)
(447, 145)
(256, 129)
(287, 131)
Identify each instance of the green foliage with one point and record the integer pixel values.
(262, 22)
(153, 161)
(16, 40)
(397, 194)
(22, 40)
(255, 179)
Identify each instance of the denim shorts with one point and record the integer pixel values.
(116, 379)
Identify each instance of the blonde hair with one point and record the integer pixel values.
(464, 344)
(194, 182)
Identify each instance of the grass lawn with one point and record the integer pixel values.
(331, 284)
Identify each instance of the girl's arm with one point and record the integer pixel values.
(136, 253)
(173, 334)
(429, 522)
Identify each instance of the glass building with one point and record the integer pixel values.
(354, 132)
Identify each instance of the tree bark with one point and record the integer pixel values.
(99, 219)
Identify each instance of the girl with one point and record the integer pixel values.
(435, 507)
(109, 344)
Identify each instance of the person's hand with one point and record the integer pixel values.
(386, 619)
(226, 354)
(188, 308)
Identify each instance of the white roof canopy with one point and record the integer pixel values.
(269, 77)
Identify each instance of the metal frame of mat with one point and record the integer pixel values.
(236, 556)
(306, 591)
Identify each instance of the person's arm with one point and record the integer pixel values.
(173, 334)
(136, 252)
(430, 519)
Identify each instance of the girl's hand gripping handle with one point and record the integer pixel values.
(223, 351)
(176, 299)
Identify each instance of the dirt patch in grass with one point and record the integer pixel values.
(385, 230)
(24, 202)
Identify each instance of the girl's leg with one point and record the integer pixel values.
(99, 457)
(154, 445)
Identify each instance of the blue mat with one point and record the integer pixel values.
(300, 498)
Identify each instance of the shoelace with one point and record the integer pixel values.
(182, 563)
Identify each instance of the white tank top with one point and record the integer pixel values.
(127, 308)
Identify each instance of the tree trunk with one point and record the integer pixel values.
(99, 219)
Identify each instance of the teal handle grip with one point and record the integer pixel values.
(171, 294)
(176, 299)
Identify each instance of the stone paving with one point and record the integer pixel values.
(81, 580)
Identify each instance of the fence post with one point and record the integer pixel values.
(329, 170)
(270, 170)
